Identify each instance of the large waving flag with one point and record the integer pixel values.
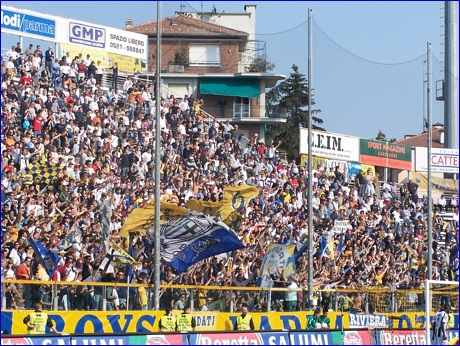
(48, 259)
(235, 199)
(192, 237)
(74, 236)
(43, 170)
(277, 256)
(300, 248)
(115, 258)
(141, 219)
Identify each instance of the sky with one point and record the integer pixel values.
(367, 61)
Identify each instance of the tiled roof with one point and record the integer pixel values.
(185, 26)
(421, 140)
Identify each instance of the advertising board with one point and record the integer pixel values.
(111, 40)
(437, 184)
(385, 154)
(330, 145)
(442, 160)
(32, 24)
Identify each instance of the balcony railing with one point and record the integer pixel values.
(245, 111)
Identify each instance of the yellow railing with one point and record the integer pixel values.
(378, 300)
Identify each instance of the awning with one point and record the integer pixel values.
(241, 87)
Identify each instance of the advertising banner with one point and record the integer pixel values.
(355, 167)
(323, 162)
(437, 184)
(32, 24)
(246, 338)
(317, 337)
(125, 63)
(28, 23)
(442, 160)
(108, 39)
(356, 337)
(403, 337)
(38, 340)
(385, 154)
(330, 145)
(159, 339)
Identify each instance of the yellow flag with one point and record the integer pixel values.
(235, 199)
(141, 219)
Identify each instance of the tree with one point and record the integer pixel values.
(260, 64)
(290, 98)
(383, 137)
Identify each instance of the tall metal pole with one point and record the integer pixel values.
(451, 75)
(156, 258)
(430, 204)
(310, 175)
(424, 97)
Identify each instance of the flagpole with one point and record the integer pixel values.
(310, 175)
(156, 259)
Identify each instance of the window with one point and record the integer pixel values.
(178, 90)
(241, 107)
(205, 55)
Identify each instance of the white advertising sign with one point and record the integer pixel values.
(108, 39)
(442, 160)
(26, 23)
(330, 145)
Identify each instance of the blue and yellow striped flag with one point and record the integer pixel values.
(120, 257)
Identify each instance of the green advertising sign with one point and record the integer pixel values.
(385, 154)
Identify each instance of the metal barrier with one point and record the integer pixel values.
(99, 296)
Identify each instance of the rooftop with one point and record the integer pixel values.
(184, 25)
(421, 140)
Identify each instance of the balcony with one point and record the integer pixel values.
(244, 111)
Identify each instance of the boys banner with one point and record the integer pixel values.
(113, 322)
(385, 154)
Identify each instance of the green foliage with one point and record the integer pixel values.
(261, 64)
(181, 56)
(291, 95)
(381, 136)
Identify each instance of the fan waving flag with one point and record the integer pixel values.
(45, 171)
(141, 219)
(277, 257)
(235, 199)
(327, 244)
(48, 259)
(116, 257)
(192, 237)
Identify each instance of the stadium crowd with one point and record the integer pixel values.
(55, 111)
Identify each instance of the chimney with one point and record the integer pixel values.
(129, 23)
(441, 137)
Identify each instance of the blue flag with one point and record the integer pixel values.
(47, 258)
(300, 248)
(192, 237)
(339, 248)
